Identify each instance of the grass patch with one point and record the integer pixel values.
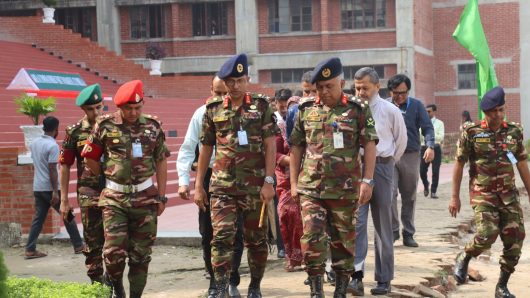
(44, 288)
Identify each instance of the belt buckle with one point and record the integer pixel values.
(128, 188)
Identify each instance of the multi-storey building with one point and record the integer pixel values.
(284, 38)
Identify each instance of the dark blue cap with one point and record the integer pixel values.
(326, 70)
(492, 99)
(236, 66)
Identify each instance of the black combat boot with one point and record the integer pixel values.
(341, 284)
(254, 288)
(212, 289)
(221, 286)
(316, 286)
(460, 271)
(501, 290)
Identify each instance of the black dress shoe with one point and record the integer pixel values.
(382, 288)
(434, 196)
(281, 254)
(409, 241)
(426, 192)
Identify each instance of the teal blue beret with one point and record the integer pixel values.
(89, 96)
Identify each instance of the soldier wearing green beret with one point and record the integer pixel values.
(89, 185)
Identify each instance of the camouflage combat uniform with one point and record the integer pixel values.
(328, 183)
(89, 187)
(237, 177)
(493, 194)
(130, 219)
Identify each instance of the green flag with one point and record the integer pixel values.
(470, 34)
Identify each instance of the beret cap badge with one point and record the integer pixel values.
(240, 68)
(138, 98)
(326, 72)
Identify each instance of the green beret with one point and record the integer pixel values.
(91, 95)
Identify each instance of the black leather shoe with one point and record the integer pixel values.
(426, 192)
(461, 264)
(434, 196)
(212, 289)
(409, 241)
(356, 287)
(254, 288)
(501, 290)
(382, 288)
(396, 235)
(281, 254)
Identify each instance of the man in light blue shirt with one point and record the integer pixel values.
(188, 153)
(45, 155)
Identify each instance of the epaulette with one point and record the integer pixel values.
(260, 96)
(104, 118)
(154, 118)
(70, 129)
(305, 102)
(213, 100)
(468, 125)
(516, 124)
(358, 101)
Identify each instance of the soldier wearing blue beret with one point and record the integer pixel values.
(89, 185)
(242, 127)
(492, 99)
(493, 148)
(328, 131)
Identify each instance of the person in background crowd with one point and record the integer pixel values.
(407, 168)
(466, 117)
(45, 154)
(439, 134)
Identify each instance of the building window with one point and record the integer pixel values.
(349, 71)
(467, 76)
(148, 21)
(284, 76)
(361, 14)
(209, 19)
(290, 16)
(80, 20)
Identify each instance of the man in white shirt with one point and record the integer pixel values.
(439, 133)
(185, 159)
(392, 133)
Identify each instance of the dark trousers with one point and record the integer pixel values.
(206, 230)
(42, 205)
(424, 168)
(279, 239)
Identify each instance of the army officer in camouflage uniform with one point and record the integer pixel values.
(242, 127)
(328, 133)
(492, 147)
(89, 185)
(133, 147)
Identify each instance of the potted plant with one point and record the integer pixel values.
(34, 108)
(154, 52)
(49, 11)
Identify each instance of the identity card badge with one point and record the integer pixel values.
(511, 157)
(137, 149)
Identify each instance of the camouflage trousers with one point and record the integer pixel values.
(92, 219)
(129, 232)
(506, 220)
(316, 213)
(224, 212)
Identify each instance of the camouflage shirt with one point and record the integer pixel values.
(328, 172)
(116, 139)
(491, 174)
(89, 186)
(238, 169)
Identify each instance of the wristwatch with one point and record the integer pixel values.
(162, 199)
(370, 182)
(269, 179)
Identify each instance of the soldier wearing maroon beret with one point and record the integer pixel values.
(133, 148)
(89, 186)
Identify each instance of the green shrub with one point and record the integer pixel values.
(44, 288)
(34, 107)
(3, 277)
(49, 3)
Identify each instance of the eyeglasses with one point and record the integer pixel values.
(398, 93)
(429, 111)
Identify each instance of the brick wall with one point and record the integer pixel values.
(16, 194)
(501, 26)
